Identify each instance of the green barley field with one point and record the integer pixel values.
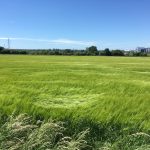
(109, 95)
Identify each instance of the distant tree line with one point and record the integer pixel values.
(90, 51)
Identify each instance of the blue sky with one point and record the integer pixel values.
(122, 24)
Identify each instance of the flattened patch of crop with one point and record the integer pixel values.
(66, 101)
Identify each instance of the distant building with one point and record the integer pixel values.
(143, 49)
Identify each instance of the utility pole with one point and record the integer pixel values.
(8, 43)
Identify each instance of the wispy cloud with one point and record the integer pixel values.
(25, 39)
(72, 42)
(3, 38)
(56, 41)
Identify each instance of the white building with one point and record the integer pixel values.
(143, 49)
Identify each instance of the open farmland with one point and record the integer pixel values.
(87, 91)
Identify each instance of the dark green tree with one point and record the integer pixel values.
(92, 50)
(107, 52)
(1, 48)
(117, 53)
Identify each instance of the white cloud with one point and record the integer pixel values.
(2, 38)
(57, 41)
(71, 42)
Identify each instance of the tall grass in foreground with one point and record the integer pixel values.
(24, 133)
